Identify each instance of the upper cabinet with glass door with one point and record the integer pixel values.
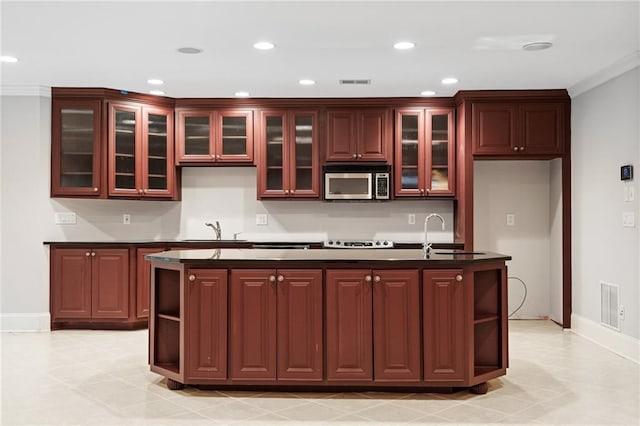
(288, 162)
(77, 167)
(425, 149)
(141, 149)
(221, 136)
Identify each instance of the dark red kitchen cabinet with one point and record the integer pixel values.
(396, 325)
(143, 279)
(495, 128)
(206, 324)
(89, 284)
(300, 343)
(444, 319)
(358, 135)
(349, 325)
(542, 128)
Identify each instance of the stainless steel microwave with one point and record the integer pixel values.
(357, 182)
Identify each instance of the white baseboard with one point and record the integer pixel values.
(625, 346)
(25, 322)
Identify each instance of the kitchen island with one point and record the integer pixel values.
(328, 319)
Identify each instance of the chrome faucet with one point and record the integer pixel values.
(426, 245)
(216, 228)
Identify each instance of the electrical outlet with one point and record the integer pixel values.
(64, 218)
(621, 312)
(628, 219)
(412, 219)
(126, 219)
(261, 219)
(511, 219)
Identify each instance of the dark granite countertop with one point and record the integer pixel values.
(390, 257)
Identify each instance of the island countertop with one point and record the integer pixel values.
(389, 257)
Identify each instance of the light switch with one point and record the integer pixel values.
(632, 193)
(511, 219)
(412, 219)
(628, 219)
(65, 218)
(261, 219)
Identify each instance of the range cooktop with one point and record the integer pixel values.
(358, 244)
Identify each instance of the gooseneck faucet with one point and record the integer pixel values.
(426, 245)
(216, 228)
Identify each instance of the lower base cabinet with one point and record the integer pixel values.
(353, 328)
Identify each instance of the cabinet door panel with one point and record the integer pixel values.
(396, 325)
(125, 133)
(110, 283)
(300, 325)
(253, 325)
(158, 168)
(206, 324)
(341, 136)
(410, 155)
(194, 136)
(373, 143)
(143, 280)
(349, 328)
(444, 325)
(235, 136)
(273, 176)
(304, 175)
(440, 158)
(542, 128)
(70, 283)
(494, 128)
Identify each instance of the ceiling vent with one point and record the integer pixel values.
(356, 81)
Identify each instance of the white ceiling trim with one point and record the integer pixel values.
(619, 67)
(41, 91)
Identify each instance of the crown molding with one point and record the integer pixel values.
(42, 91)
(619, 67)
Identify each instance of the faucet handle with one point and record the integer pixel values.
(235, 235)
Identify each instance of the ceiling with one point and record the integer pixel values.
(120, 45)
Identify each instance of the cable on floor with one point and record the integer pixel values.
(523, 297)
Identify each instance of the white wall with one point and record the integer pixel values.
(555, 241)
(521, 188)
(606, 135)
(224, 194)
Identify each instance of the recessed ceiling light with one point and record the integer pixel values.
(8, 59)
(242, 94)
(156, 92)
(155, 81)
(449, 80)
(428, 93)
(189, 50)
(307, 82)
(537, 45)
(264, 45)
(404, 45)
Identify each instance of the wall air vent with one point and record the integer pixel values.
(609, 305)
(355, 81)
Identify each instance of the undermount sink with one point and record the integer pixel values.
(209, 240)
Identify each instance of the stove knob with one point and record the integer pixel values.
(386, 243)
(377, 243)
(329, 242)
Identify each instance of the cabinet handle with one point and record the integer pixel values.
(367, 278)
(515, 148)
(93, 254)
(192, 278)
(280, 278)
(140, 191)
(422, 191)
(522, 148)
(292, 191)
(95, 189)
(359, 155)
(355, 155)
(217, 156)
(286, 192)
(272, 278)
(213, 156)
(87, 254)
(459, 278)
(376, 278)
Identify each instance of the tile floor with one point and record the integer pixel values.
(102, 378)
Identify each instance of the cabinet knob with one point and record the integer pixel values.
(376, 278)
(272, 278)
(515, 148)
(213, 156)
(355, 155)
(367, 278)
(87, 254)
(359, 155)
(422, 190)
(93, 254)
(217, 156)
(286, 191)
(292, 191)
(280, 278)
(522, 148)
(140, 191)
(192, 278)
(95, 189)
(459, 278)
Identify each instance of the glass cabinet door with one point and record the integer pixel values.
(409, 174)
(304, 176)
(235, 136)
(75, 150)
(157, 148)
(124, 151)
(194, 136)
(274, 153)
(440, 133)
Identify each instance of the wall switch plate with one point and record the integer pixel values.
(65, 218)
(625, 197)
(511, 219)
(628, 219)
(632, 193)
(261, 219)
(412, 219)
(126, 219)
(621, 312)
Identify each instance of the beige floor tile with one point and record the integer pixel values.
(390, 413)
(232, 411)
(311, 411)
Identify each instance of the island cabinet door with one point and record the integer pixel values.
(349, 327)
(206, 324)
(300, 325)
(253, 324)
(396, 325)
(110, 283)
(444, 325)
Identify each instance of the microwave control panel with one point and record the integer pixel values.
(382, 186)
